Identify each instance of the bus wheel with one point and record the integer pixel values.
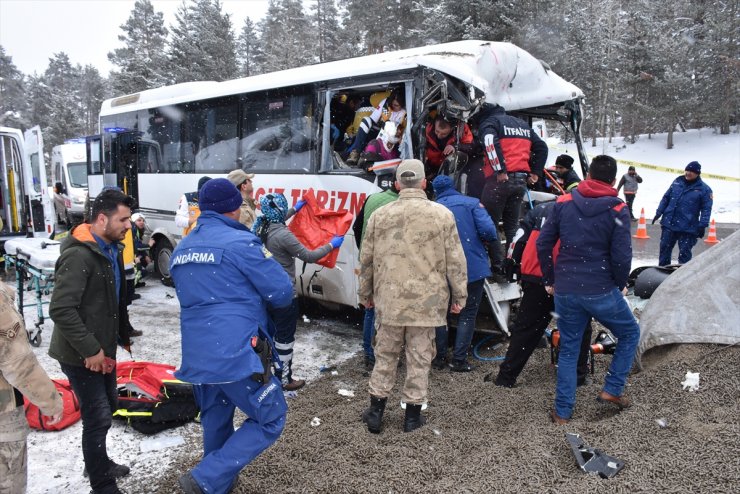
(162, 254)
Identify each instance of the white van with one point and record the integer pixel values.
(69, 177)
(25, 208)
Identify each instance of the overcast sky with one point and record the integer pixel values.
(31, 31)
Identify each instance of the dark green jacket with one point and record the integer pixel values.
(86, 312)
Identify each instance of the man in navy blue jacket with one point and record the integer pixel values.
(474, 226)
(589, 280)
(685, 208)
(224, 285)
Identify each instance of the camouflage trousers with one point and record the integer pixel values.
(13, 454)
(420, 350)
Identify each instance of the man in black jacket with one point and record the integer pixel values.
(88, 307)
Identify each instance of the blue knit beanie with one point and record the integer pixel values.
(442, 183)
(694, 166)
(219, 195)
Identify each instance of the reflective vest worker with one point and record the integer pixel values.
(188, 209)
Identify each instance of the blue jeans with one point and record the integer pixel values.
(575, 311)
(368, 331)
(465, 325)
(225, 450)
(98, 400)
(668, 239)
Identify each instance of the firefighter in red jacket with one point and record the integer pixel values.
(514, 156)
(536, 307)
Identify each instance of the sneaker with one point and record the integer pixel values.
(294, 385)
(460, 366)
(189, 485)
(439, 363)
(353, 158)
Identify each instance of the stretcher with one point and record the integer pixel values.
(33, 260)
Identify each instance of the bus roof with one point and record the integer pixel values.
(506, 74)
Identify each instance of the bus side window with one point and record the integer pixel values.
(211, 135)
(163, 125)
(278, 131)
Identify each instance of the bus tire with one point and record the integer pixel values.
(162, 255)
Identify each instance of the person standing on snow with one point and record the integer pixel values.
(411, 267)
(686, 207)
(88, 307)
(475, 226)
(589, 280)
(629, 181)
(285, 248)
(20, 375)
(225, 285)
(514, 156)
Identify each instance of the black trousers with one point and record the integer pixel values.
(503, 201)
(531, 321)
(630, 199)
(98, 400)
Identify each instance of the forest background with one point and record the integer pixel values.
(646, 66)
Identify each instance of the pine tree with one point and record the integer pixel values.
(203, 46)
(65, 118)
(143, 59)
(92, 93)
(13, 101)
(285, 36)
(249, 51)
(326, 25)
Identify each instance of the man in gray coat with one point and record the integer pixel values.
(629, 181)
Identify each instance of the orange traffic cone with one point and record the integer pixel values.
(641, 226)
(712, 238)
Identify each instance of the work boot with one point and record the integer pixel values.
(620, 402)
(460, 366)
(439, 363)
(286, 378)
(135, 332)
(373, 416)
(115, 470)
(557, 419)
(353, 158)
(188, 484)
(414, 419)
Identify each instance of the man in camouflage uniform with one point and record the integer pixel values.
(20, 372)
(243, 181)
(411, 260)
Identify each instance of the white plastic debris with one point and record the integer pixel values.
(662, 422)
(157, 443)
(691, 381)
(346, 392)
(334, 373)
(315, 422)
(306, 319)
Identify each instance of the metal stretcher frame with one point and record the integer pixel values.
(30, 278)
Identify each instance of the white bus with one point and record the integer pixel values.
(278, 126)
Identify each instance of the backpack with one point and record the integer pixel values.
(151, 399)
(71, 413)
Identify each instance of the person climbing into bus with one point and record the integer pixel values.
(188, 209)
(392, 109)
(285, 248)
(442, 141)
(567, 178)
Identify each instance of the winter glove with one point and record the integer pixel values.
(299, 205)
(336, 242)
(700, 233)
(655, 219)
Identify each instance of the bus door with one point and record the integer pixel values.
(35, 185)
(11, 158)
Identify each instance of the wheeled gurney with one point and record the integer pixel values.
(34, 260)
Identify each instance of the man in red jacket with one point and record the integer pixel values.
(441, 137)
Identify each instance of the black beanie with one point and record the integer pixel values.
(565, 161)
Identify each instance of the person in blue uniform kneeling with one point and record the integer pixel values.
(225, 285)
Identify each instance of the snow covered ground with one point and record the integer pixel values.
(55, 459)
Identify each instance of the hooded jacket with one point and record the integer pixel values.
(224, 284)
(435, 147)
(88, 314)
(474, 226)
(686, 206)
(595, 254)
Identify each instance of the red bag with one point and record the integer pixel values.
(71, 413)
(314, 227)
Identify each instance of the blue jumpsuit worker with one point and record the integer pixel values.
(514, 156)
(685, 208)
(224, 285)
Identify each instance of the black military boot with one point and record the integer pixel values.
(373, 416)
(414, 419)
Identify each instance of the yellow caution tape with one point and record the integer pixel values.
(672, 170)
